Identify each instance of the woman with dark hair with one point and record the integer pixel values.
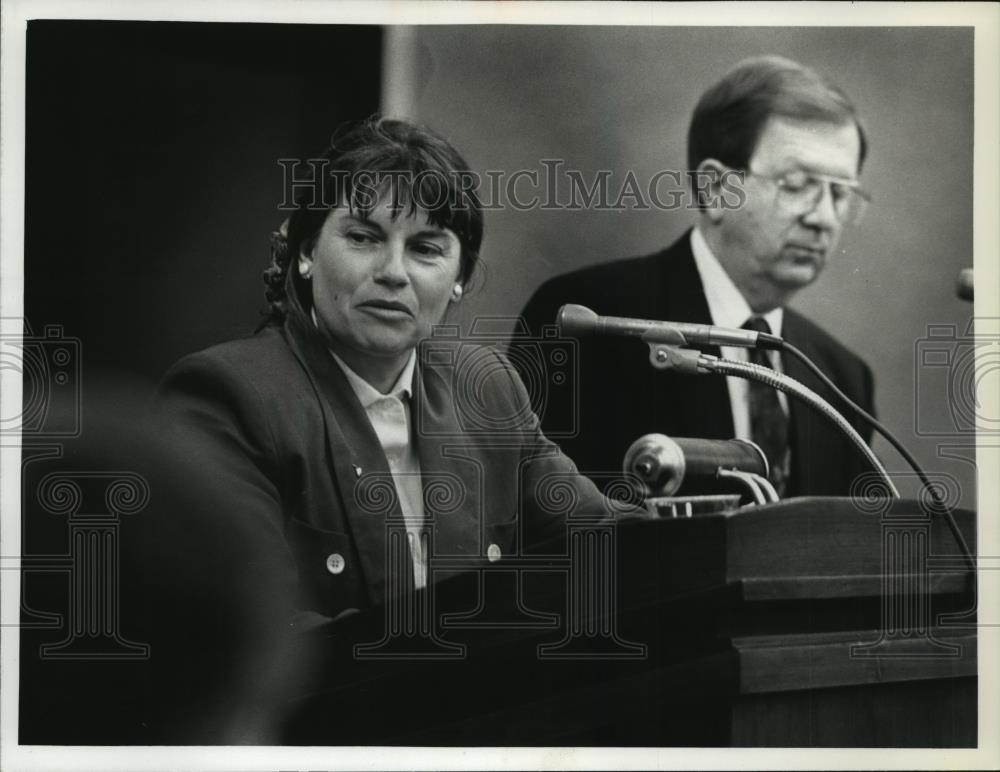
(365, 161)
(343, 417)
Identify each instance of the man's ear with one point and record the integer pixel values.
(708, 188)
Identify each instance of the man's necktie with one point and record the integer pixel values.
(768, 422)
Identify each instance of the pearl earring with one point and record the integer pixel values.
(456, 292)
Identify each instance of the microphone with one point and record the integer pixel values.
(663, 463)
(578, 321)
(964, 286)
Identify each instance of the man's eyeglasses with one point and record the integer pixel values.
(799, 192)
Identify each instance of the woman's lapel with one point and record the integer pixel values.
(452, 464)
(368, 493)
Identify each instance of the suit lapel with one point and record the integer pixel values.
(703, 399)
(359, 465)
(805, 421)
(452, 471)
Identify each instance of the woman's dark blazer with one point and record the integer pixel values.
(277, 451)
(271, 500)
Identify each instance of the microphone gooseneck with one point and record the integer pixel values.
(576, 321)
(579, 321)
(782, 382)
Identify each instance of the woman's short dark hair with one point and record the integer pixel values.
(730, 116)
(366, 162)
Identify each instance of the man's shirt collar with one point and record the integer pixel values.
(726, 304)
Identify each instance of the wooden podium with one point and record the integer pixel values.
(809, 623)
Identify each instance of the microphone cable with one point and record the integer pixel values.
(782, 382)
(939, 505)
(576, 320)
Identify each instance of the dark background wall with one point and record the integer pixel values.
(620, 99)
(152, 174)
(152, 184)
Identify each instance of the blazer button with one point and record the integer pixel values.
(493, 553)
(335, 563)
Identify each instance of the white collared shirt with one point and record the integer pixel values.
(728, 308)
(391, 419)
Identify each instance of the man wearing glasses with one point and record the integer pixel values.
(775, 153)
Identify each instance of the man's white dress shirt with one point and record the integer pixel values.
(728, 308)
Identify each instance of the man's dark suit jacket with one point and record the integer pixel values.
(620, 396)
